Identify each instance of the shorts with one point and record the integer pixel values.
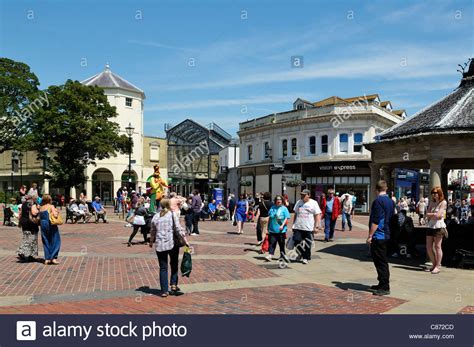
(437, 232)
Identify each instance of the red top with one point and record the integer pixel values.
(336, 207)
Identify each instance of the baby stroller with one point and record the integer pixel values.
(222, 214)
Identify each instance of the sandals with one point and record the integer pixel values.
(435, 271)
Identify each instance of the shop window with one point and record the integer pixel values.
(312, 145)
(325, 180)
(294, 146)
(284, 147)
(358, 139)
(358, 180)
(351, 179)
(343, 143)
(324, 144)
(330, 180)
(367, 180)
(337, 180)
(344, 180)
(266, 150)
(249, 152)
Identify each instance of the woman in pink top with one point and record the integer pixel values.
(436, 229)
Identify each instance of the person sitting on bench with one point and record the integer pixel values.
(99, 210)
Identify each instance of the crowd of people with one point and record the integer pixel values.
(390, 224)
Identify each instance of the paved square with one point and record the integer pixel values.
(98, 273)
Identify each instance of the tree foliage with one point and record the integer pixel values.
(18, 89)
(76, 125)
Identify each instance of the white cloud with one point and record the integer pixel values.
(370, 61)
(209, 103)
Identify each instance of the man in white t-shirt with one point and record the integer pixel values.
(306, 221)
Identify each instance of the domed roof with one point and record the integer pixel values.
(108, 79)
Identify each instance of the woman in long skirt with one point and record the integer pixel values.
(49, 232)
(28, 249)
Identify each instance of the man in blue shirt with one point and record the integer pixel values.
(379, 234)
(99, 210)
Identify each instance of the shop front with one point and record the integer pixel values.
(351, 177)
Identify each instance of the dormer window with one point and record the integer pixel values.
(128, 102)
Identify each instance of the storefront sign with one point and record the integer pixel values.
(338, 168)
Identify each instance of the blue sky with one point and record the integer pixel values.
(229, 61)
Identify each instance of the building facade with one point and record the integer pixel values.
(316, 145)
(229, 159)
(104, 178)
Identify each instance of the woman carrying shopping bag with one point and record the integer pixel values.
(167, 236)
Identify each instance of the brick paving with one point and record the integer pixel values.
(299, 299)
(98, 273)
(91, 274)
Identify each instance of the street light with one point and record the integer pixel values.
(20, 156)
(129, 129)
(14, 169)
(45, 166)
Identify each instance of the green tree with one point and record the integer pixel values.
(77, 128)
(18, 100)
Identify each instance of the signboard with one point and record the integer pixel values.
(218, 195)
(276, 168)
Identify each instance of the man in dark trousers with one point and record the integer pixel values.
(196, 206)
(379, 235)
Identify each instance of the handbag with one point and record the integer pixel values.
(234, 220)
(138, 220)
(177, 237)
(290, 244)
(186, 263)
(265, 244)
(35, 219)
(55, 220)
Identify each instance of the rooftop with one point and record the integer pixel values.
(108, 79)
(454, 112)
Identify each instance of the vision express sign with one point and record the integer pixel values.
(343, 167)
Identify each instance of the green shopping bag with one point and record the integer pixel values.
(186, 263)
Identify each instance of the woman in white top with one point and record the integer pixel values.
(162, 238)
(436, 229)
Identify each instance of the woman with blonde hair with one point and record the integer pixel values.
(49, 232)
(436, 229)
(163, 226)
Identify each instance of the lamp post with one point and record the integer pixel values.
(282, 177)
(20, 156)
(129, 129)
(45, 166)
(14, 169)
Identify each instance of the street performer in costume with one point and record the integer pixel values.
(157, 188)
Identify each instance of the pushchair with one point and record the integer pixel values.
(222, 214)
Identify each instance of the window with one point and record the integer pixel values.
(266, 150)
(358, 139)
(154, 153)
(294, 146)
(343, 143)
(284, 147)
(249, 152)
(324, 144)
(312, 145)
(128, 102)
